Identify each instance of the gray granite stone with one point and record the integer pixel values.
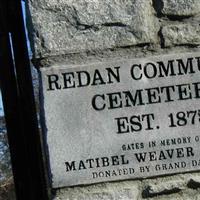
(181, 34)
(180, 7)
(72, 26)
(115, 191)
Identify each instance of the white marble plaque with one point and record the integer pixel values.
(121, 120)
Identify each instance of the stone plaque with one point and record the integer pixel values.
(121, 120)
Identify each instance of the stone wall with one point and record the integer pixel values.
(85, 31)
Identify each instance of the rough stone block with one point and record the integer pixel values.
(62, 27)
(181, 34)
(126, 190)
(180, 7)
(163, 186)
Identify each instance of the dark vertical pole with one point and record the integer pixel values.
(18, 98)
(10, 100)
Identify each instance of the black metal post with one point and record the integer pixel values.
(20, 113)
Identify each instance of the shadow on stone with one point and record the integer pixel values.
(148, 193)
(158, 6)
(193, 184)
(177, 17)
(162, 39)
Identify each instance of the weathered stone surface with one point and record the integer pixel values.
(72, 26)
(107, 191)
(160, 188)
(180, 7)
(171, 187)
(176, 187)
(181, 34)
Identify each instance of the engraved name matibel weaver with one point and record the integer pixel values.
(121, 160)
